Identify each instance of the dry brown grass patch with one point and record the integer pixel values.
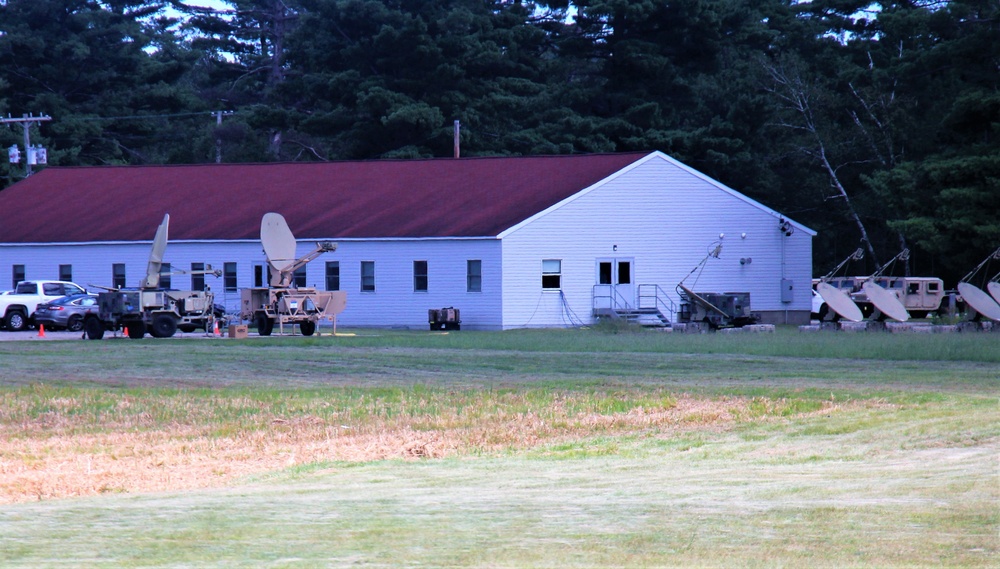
(52, 457)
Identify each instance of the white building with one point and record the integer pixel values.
(511, 242)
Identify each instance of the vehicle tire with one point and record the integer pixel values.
(75, 323)
(187, 328)
(164, 326)
(264, 325)
(16, 321)
(94, 328)
(307, 327)
(136, 330)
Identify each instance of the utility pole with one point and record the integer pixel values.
(33, 155)
(218, 141)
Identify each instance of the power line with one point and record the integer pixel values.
(172, 115)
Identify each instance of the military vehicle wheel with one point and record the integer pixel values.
(164, 326)
(136, 330)
(16, 321)
(308, 327)
(94, 328)
(187, 328)
(264, 325)
(75, 323)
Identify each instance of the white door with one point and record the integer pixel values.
(614, 284)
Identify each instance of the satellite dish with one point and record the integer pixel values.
(278, 242)
(152, 279)
(840, 302)
(885, 301)
(980, 301)
(994, 288)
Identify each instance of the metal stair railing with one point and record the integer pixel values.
(652, 296)
(651, 300)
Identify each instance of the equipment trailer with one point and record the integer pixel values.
(282, 303)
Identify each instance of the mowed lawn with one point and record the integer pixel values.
(556, 448)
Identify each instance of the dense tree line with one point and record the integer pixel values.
(876, 123)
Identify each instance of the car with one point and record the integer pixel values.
(66, 312)
(819, 308)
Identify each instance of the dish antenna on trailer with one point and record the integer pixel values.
(980, 301)
(152, 279)
(696, 298)
(882, 299)
(279, 248)
(837, 299)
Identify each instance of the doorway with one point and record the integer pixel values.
(614, 283)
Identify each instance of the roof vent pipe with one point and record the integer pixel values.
(458, 128)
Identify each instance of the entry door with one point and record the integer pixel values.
(615, 277)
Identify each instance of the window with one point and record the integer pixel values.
(197, 276)
(551, 274)
(26, 288)
(367, 276)
(17, 275)
(258, 275)
(118, 275)
(66, 272)
(333, 275)
(419, 276)
(624, 272)
(604, 273)
(229, 276)
(53, 289)
(68, 289)
(474, 276)
(299, 277)
(165, 275)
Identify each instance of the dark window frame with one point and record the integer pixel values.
(332, 275)
(420, 276)
(551, 279)
(474, 278)
(118, 275)
(367, 281)
(230, 276)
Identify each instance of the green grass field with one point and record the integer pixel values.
(556, 448)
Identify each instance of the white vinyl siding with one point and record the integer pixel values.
(660, 215)
(666, 219)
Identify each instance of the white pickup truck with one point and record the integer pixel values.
(18, 306)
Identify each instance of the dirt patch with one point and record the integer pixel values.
(40, 462)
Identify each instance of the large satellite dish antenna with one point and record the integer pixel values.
(994, 288)
(278, 243)
(885, 301)
(840, 302)
(882, 299)
(152, 279)
(980, 301)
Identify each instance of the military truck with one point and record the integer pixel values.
(149, 308)
(282, 303)
(158, 312)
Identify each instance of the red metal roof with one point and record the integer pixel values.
(466, 197)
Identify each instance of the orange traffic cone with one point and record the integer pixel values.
(125, 330)
(41, 330)
(215, 330)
